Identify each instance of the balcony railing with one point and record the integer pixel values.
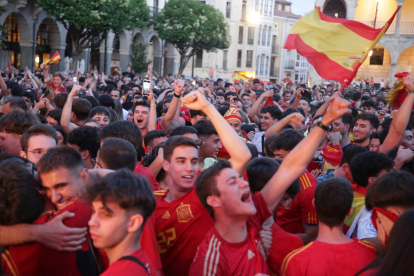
(406, 28)
(154, 11)
(290, 64)
(274, 72)
(275, 49)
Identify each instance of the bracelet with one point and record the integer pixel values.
(410, 92)
(322, 126)
(177, 96)
(153, 105)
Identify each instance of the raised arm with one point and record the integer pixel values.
(298, 159)
(255, 107)
(172, 109)
(152, 120)
(400, 121)
(67, 125)
(211, 75)
(3, 86)
(298, 97)
(325, 105)
(295, 118)
(237, 149)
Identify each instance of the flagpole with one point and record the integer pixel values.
(376, 12)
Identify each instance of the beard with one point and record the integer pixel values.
(361, 139)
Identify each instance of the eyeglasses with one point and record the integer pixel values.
(95, 164)
(37, 153)
(374, 146)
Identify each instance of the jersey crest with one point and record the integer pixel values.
(287, 203)
(184, 213)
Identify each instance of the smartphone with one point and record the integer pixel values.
(75, 79)
(181, 82)
(146, 85)
(388, 106)
(193, 83)
(46, 94)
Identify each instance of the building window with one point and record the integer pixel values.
(269, 34)
(261, 6)
(199, 59)
(270, 8)
(261, 64)
(250, 36)
(377, 57)
(264, 36)
(257, 5)
(13, 33)
(267, 66)
(257, 64)
(249, 58)
(283, 7)
(239, 58)
(260, 32)
(228, 9)
(241, 30)
(265, 7)
(335, 8)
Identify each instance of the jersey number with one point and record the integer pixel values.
(168, 236)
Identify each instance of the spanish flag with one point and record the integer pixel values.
(336, 47)
(54, 60)
(332, 155)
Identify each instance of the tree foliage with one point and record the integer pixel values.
(138, 57)
(3, 31)
(192, 26)
(86, 20)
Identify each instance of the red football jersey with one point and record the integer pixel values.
(180, 227)
(299, 211)
(142, 170)
(131, 268)
(216, 256)
(36, 259)
(282, 244)
(148, 242)
(319, 258)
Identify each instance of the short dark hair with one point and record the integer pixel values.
(229, 94)
(125, 130)
(333, 200)
(86, 138)
(261, 170)
(286, 140)
(56, 114)
(16, 102)
(348, 119)
(194, 113)
(152, 135)
(369, 164)
(60, 157)
(393, 189)
(205, 128)
(36, 130)
(106, 101)
(16, 90)
(99, 110)
(81, 108)
(129, 191)
(373, 120)
(350, 152)
(60, 100)
(142, 103)
(174, 142)
(181, 130)
(117, 153)
(20, 201)
(18, 121)
(273, 110)
(206, 183)
(369, 103)
(94, 102)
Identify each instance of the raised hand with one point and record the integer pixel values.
(296, 118)
(338, 108)
(195, 101)
(267, 94)
(211, 72)
(299, 93)
(408, 83)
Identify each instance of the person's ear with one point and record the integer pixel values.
(166, 165)
(214, 201)
(72, 116)
(370, 180)
(85, 154)
(201, 140)
(84, 175)
(23, 154)
(135, 222)
(149, 149)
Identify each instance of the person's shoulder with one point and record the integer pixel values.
(129, 267)
(364, 245)
(307, 182)
(297, 256)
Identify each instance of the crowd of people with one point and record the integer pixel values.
(127, 174)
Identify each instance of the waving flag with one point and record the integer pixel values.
(336, 47)
(54, 60)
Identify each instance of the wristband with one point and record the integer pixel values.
(177, 96)
(322, 126)
(410, 92)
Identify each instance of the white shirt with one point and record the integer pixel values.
(257, 140)
(362, 227)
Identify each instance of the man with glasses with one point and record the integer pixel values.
(36, 141)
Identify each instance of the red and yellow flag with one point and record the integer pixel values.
(336, 47)
(54, 60)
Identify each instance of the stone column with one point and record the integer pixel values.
(27, 54)
(124, 59)
(392, 72)
(398, 20)
(61, 49)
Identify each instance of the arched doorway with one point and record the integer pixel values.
(13, 39)
(335, 8)
(47, 34)
(405, 62)
(154, 53)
